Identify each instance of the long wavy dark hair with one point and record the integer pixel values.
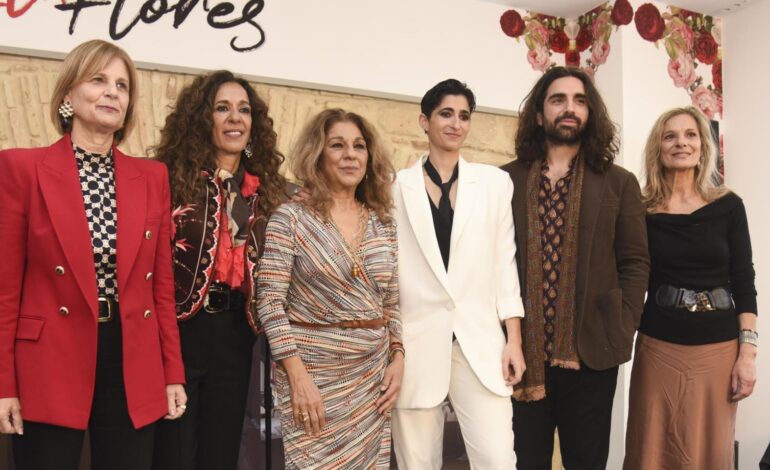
(186, 145)
(599, 143)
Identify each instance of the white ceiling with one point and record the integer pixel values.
(574, 8)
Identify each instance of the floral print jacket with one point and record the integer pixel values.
(196, 232)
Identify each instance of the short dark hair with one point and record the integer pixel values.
(432, 98)
(599, 143)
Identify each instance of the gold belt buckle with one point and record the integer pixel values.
(695, 301)
(702, 302)
(101, 319)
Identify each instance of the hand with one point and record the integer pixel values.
(306, 402)
(177, 401)
(513, 363)
(10, 416)
(300, 195)
(744, 375)
(391, 383)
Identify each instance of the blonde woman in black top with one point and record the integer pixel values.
(697, 340)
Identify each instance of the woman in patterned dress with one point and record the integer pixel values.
(220, 149)
(328, 300)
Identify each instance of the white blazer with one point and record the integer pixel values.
(470, 299)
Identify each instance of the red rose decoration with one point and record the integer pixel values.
(706, 48)
(512, 24)
(716, 75)
(649, 23)
(559, 42)
(572, 59)
(584, 38)
(622, 13)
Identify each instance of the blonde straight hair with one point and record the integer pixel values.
(82, 63)
(657, 192)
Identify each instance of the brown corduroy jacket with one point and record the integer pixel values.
(613, 262)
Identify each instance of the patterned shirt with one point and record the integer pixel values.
(97, 182)
(552, 206)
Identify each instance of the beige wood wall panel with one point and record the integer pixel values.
(26, 85)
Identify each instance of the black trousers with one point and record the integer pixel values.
(579, 404)
(216, 348)
(115, 444)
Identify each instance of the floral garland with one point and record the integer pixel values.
(690, 39)
(545, 35)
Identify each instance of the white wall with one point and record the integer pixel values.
(398, 47)
(747, 167)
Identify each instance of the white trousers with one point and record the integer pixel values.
(485, 422)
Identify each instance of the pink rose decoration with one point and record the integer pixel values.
(682, 70)
(538, 32)
(599, 51)
(705, 100)
(719, 105)
(682, 34)
(539, 58)
(602, 27)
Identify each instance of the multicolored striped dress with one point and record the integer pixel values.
(305, 277)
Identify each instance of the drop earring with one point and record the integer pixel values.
(65, 113)
(247, 151)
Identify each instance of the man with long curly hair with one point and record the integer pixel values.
(583, 269)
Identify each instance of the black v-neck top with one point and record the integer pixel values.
(703, 250)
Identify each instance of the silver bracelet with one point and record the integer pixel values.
(748, 336)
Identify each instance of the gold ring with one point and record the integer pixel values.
(303, 416)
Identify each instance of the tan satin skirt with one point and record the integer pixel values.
(680, 416)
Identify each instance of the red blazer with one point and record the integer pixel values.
(48, 327)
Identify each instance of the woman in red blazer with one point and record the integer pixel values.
(88, 334)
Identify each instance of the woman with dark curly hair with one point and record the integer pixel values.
(220, 149)
(328, 299)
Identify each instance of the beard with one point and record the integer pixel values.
(564, 135)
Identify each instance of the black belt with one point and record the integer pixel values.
(694, 301)
(222, 298)
(108, 309)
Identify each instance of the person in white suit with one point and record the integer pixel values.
(459, 294)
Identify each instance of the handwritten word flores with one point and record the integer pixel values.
(219, 15)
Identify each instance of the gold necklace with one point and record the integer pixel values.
(356, 268)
